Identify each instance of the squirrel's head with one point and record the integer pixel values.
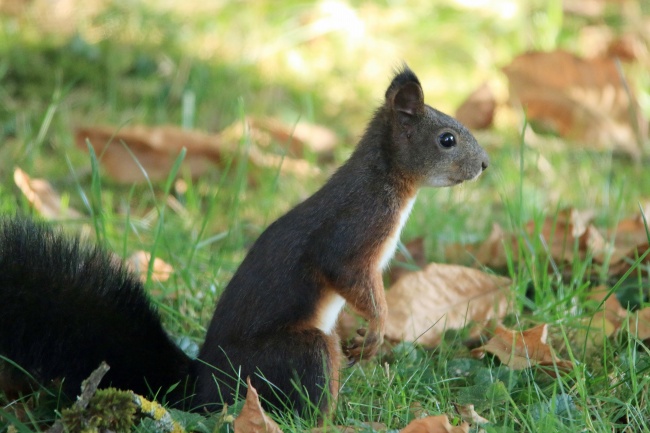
(431, 147)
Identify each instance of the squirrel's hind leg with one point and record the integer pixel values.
(293, 370)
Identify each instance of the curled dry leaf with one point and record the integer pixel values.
(468, 414)
(566, 236)
(587, 102)
(519, 350)
(42, 196)
(252, 418)
(477, 111)
(423, 304)
(434, 424)
(139, 264)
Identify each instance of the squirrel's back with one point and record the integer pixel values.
(76, 305)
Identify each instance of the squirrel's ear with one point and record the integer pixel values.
(409, 99)
(404, 94)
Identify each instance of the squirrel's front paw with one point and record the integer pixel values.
(364, 345)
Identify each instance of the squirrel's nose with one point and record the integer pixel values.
(484, 165)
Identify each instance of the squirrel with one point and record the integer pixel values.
(66, 306)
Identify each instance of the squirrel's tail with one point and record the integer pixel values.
(66, 306)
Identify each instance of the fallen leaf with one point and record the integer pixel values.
(155, 150)
(417, 257)
(612, 309)
(593, 330)
(522, 349)
(316, 138)
(491, 252)
(627, 48)
(42, 196)
(252, 418)
(477, 111)
(639, 324)
(468, 414)
(630, 241)
(138, 262)
(434, 424)
(587, 102)
(424, 304)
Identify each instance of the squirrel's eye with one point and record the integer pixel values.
(447, 139)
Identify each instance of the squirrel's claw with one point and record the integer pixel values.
(362, 346)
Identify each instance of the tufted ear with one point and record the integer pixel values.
(405, 93)
(409, 99)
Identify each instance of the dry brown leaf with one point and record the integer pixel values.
(434, 424)
(631, 242)
(639, 324)
(375, 426)
(316, 138)
(477, 111)
(569, 227)
(155, 148)
(612, 309)
(468, 414)
(252, 418)
(139, 264)
(519, 350)
(423, 304)
(42, 196)
(415, 248)
(587, 102)
(490, 252)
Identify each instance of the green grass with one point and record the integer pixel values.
(137, 63)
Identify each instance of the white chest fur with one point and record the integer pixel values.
(390, 244)
(328, 312)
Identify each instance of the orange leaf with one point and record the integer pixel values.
(587, 102)
(155, 148)
(423, 304)
(434, 424)
(519, 350)
(139, 264)
(631, 241)
(477, 111)
(252, 418)
(317, 138)
(42, 196)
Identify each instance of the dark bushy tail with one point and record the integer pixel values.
(66, 306)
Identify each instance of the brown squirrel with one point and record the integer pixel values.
(64, 307)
